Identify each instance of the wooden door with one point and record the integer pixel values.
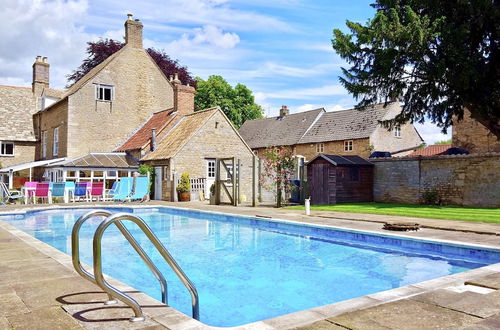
(319, 184)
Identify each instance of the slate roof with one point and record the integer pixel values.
(278, 131)
(175, 139)
(345, 124)
(431, 150)
(343, 160)
(101, 160)
(141, 137)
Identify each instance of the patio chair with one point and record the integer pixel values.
(124, 190)
(70, 190)
(80, 191)
(29, 190)
(7, 195)
(41, 191)
(109, 193)
(141, 188)
(58, 189)
(96, 190)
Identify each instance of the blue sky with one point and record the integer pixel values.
(280, 49)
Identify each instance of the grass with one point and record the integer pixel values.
(476, 214)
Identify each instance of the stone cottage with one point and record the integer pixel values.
(191, 145)
(346, 132)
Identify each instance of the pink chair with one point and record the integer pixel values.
(97, 190)
(42, 191)
(29, 190)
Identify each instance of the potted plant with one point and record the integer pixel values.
(184, 188)
(212, 194)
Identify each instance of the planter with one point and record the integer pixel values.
(212, 199)
(184, 196)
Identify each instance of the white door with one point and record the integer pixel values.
(210, 176)
(158, 182)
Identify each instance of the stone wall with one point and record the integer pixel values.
(473, 136)
(215, 141)
(467, 180)
(308, 150)
(140, 89)
(24, 152)
(47, 121)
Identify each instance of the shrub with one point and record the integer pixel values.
(431, 197)
(185, 183)
(212, 189)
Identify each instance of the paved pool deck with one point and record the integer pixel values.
(40, 290)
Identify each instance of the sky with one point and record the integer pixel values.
(280, 49)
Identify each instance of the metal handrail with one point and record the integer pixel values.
(116, 219)
(75, 253)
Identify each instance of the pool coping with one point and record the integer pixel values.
(179, 320)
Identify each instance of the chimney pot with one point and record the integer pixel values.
(153, 139)
(38, 58)
(171, 78)
(284, 111)
(129, 16)
(44, 59)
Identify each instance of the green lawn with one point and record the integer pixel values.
(420, 211)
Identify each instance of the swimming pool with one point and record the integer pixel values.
(249, 269)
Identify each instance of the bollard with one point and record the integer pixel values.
(308, 206)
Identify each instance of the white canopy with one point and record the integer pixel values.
(19, 167)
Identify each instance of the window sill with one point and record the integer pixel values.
(105, 101)
(7, 155)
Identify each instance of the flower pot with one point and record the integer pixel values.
(212, 199)
(184, 196)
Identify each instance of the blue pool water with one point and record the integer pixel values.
(248, 269)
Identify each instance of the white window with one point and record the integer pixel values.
(320, 147)
(397, 131)
(55, 150)
(104, 92)
(44, 144)
(210, 168)
(6, 148)
(348, 145)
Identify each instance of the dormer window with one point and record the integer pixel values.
(104, 92)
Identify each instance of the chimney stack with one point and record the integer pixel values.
(133, 32)
(40, 75)
(183, 96)
(153, 139)
(284, 111)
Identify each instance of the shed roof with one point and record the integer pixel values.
(278, 131)
(346, 124)
(101, 160)
(180, 134)
(343, 160)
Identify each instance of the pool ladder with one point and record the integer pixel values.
(98, 277)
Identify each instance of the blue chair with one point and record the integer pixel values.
(70, 188)
(111, 192)
(58, 189)
(141, 188)
(80, 190)
(124, 190)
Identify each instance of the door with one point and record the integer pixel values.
(319, 185)
(210, 166)
(158, 182)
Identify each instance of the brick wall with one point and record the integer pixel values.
(473, 136)
(466, 180)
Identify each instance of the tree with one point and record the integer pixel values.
(443, 142)
(437, 57)
(237, 103)
(100, 50)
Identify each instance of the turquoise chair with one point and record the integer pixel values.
(124, 189)
(58, 189)
(141, 188)
(70, 187)
(109, 193)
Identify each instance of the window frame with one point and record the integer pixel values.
(210, 169)
(55, 142)
(100, 95)
(348, 145)
(397, 131)
(320, 148)
(3, 148)
(44, 144)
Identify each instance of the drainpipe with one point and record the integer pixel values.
(153, 139)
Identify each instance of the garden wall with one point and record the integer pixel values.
(468, 180)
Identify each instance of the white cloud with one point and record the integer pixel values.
(431, 133)
(209, 35)
(308, 93)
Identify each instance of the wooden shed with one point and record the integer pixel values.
(340, 179)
